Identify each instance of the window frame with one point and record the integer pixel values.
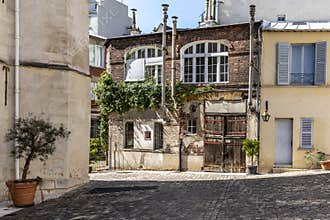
(190, 126)
(302, 66)
(101, 59)
(133, 55)
(185, 54)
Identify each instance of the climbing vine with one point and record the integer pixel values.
(121, 97)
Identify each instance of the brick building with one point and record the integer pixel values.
(211, 126)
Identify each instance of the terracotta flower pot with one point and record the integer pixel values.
(22, 193)
(325, 165)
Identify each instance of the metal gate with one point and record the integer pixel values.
(224, 134)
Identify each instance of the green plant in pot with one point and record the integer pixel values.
(251, 148)
(34, 139)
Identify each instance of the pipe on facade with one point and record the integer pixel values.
(252, 19)
(173, 75)
(258, 85)
(165, 9)
(17, 75)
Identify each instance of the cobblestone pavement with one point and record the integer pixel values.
(170, 195)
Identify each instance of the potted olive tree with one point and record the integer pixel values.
(251, 148)
(34, 139)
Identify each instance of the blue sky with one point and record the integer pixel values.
(149, 13)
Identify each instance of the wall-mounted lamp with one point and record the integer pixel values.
(266, 116)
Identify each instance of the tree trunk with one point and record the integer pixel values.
(26, 168)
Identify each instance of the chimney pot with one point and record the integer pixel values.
(252, 11)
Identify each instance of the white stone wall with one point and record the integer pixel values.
(55, 33)
(235, 11)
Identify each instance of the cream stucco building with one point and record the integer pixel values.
(296, 85)
(54, 84)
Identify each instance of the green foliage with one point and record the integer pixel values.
(314, 157)
(95, 152)
(121, 97)
(35, 139)
(251, 148)
(185, 92)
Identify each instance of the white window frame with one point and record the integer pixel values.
(92, 95)
(148, 61)
(97, 51)
(206, 55)
(190, 126)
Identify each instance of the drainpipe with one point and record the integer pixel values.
(173, 76)
(252, 14)
(258, 85)
(17, 84)
(165, 9)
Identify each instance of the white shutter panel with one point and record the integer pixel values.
(306, 133)
(283, 51)
(135, 70)
(320, 62)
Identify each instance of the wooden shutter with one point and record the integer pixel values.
(320, 62)
(306, 133)
(283, 51)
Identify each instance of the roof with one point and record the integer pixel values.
(297, 26)
(178, 30)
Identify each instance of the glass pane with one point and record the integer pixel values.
(200, 69)
(189, 50)
(188, 70)
(159, 53)
(212, 69)
(296, 59)
(223, 48)
(141, 53)
(200, 48)
(213, 47)
(159, 74)
(309, 59)
(151, 53)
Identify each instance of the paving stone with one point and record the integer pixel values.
(171, 195)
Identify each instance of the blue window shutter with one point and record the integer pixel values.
(306, 133)
(320, 62)
(283, 51)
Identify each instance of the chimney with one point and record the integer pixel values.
(219, 5)
(210, 11)
(134, 30)
(207, 10)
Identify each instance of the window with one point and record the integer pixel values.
(154, 71)
(205, 62)
(158, 136)
(306, 133)
(92, 95)
(95, 122)
(129, 135)
(142, 63)
(301, 64)
(147, 135)
(96, 55)
(192, 126)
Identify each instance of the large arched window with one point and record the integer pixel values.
(204, 62)
(143, 62)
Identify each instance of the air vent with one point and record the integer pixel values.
(281, 18)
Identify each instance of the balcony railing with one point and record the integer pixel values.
(302, 78)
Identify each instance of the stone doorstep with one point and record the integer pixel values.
(7, 208)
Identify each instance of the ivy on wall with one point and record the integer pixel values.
(121, 97)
